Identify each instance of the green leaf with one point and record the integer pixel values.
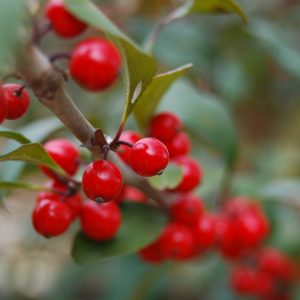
(141, 225)
(33, 153)
(21, 185)
(210, 6)
(138, 67)
(170, 178)
(205, 117)
(13, 135)
(153, 94)
(13, 16)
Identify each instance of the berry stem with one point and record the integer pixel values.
(115, 141)
(59, 55)
(19, 91)
(40, 32)
(119, 143)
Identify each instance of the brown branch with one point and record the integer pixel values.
(47, 84)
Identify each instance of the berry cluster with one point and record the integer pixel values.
(267, 273)
(95, 62)
(14, 101)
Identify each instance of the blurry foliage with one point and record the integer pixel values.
(245, 83)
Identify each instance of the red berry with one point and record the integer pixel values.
(3, 105)
(177, 242)
(133, 194)
(17, 100)
(276, 263)
(65, 154)
(74, 202)
(187, 209)
(205, 231)
(243, 280)
(264, 284)
(165, 126)
(124, 151)
(149, 157)
(192, 174)
(100, 221)
(63, 22)
(95, 64)
(51, 218)
(151, 254)
(102, 181)
(179, 145)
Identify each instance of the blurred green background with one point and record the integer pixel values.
(252, 72)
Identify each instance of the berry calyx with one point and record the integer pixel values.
(17, 100)
(180, 145)
(64, 23)
(187, 209)
(205, 231)
(3, 105)
(102, 181)
(51, 218)
(149, 157)
(100, 221)
(95, 64)
(177, 242)
(124, 151)
(73, 201)
(192, 174)
(165, 126)
(65, 154)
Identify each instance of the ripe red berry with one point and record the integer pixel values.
(151, 254)
(124, 151)
(3, 105)
(65, 154)
(165, 126)
(187, 209)
(17, 99)
(95, 64)
(74, 202)
(192, 174)
(100, 221)
(131, 194)
(63, 22)
(276, 263)
(243, 280)
(179, 145)
(51, 218)
(264, 284)
(177, 242)
(149, 157)
(205, 231)
(102, 181)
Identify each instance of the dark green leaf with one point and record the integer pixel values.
(141, 225)
(13, 16)
(153, 94)
(21, 185)
(205, 117)
(7, 133)
(138, 67)
(170, 178)
(33, 153)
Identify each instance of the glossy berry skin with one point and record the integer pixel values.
(177, 242)
(3, 105)
(63, 22)
(65, 154)
(17, 100)
(51, 218)
(187, 209)
(95, 64)
(180, 145)
(102, 181)
(100, 221)
(192, 174)
(149, 157)
(123, 151)
(74, 202)
(243, 280)
(165, 126)
(205, 231)
(151, 254)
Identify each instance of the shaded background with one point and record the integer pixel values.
(254, 71)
